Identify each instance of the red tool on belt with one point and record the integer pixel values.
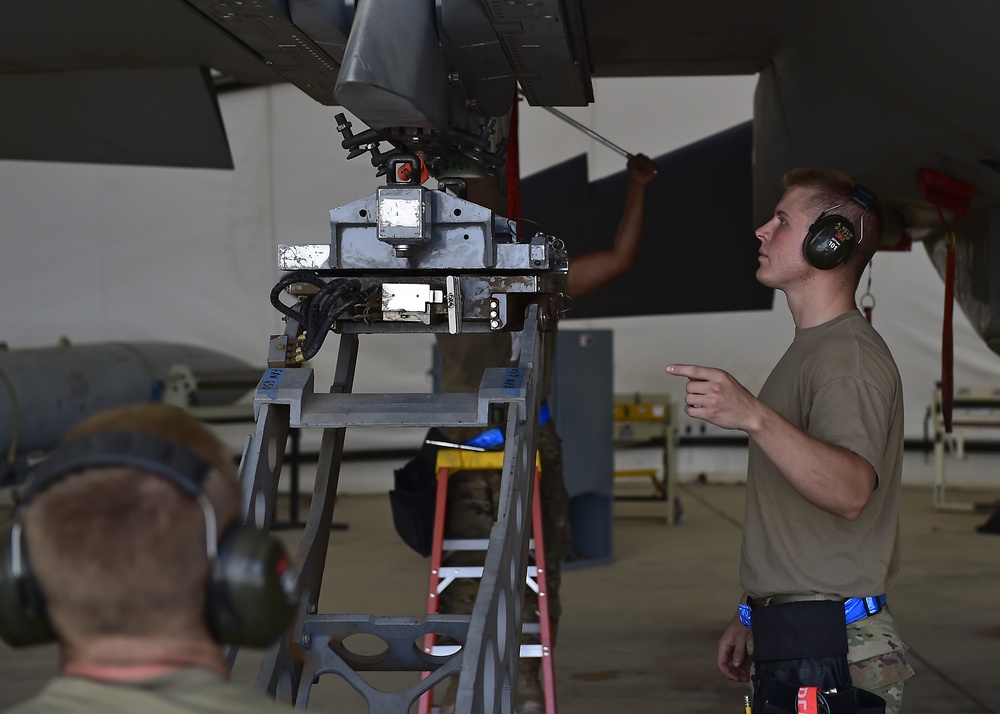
(810, 700)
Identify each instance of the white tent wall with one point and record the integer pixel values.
(122, 253)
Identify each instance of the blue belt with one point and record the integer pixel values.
(855, 608)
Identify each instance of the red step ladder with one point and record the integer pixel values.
(448, 462)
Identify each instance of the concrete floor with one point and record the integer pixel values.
(639, 634)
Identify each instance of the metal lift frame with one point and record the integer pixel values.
(437, 262)
(487, 661)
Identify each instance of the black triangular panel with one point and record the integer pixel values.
(698, 253)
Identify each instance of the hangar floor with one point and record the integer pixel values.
(639, 634)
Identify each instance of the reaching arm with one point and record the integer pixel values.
(830, 477)
(592, 271)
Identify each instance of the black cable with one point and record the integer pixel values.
(326, 296)
(317, 325)
(290, 279)
(315, 340)
(318, 313)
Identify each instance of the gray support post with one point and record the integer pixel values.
(489, 670)
(281, 667)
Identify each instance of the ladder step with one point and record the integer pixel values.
(475, 571)
(531, 650)
(473, 544)
(449, 573)
(527, 650)
(465, 544)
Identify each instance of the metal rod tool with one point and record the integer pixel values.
(589, 132)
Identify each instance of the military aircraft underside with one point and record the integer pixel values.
(879, 91)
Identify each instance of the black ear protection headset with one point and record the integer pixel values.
(830, 239)
(252, 588)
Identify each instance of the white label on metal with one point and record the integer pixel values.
(409, 297)
(400, 212)
(303, 257)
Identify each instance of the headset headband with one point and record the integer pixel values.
(862, 196)
(120, 448)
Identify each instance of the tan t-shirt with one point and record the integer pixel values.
(189, 690)
(838, 382)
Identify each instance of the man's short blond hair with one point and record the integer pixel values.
(121, 551)
(831, 187)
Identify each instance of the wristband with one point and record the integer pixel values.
(744, 613)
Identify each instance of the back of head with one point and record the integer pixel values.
(120, 551)
(831, 189)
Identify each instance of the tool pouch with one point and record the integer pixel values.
(802, 644)
(414, 499)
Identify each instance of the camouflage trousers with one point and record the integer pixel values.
(472, 510)
(877, 658)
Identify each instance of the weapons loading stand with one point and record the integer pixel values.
(465, 265)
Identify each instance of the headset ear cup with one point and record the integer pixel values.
(252, 590)
(23, 616)
(830, 241)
